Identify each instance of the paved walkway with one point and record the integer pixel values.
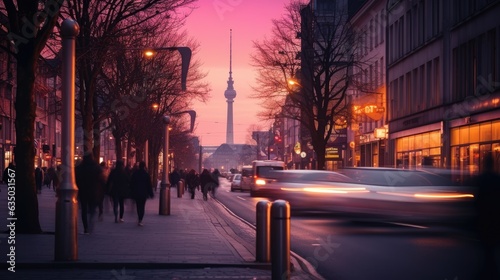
(198, 240)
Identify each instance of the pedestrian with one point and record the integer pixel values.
(487, 202)
(192, 182)
(206, 182)
(175, 178)
(90, 182)
(102, 194)
(142, 189)
(118, 187)
(46, 177)
(215, 186)
(39, 179)
(52, 173)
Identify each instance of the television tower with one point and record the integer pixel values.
(230, 94)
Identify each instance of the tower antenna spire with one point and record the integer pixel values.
(230, 53)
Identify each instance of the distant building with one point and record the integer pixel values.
(227, 157)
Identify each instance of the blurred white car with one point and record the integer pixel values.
(368, 193)
(236, 182)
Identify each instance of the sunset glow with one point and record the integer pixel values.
(209, 24)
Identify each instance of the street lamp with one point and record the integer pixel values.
(165, 184)
(164, 192)
(185, 56)
(66, 236)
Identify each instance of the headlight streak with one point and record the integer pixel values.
(431, 195)
(340, 190)
(327, 190)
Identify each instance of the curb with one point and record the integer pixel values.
(297, 261)
(134, 265)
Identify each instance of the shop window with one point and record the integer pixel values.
(411, 142)
(495, 131)
(454, 137)
(464, 135)
(485, 132)
(425, 140)
(474, 133)
(435, 139)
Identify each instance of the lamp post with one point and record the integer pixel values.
(66, 236)
(165, 184)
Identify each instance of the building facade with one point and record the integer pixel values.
(368, 130)
(443, 62)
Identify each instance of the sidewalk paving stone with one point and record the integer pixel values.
(198, 240)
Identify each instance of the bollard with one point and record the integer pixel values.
(280, 239)
(179, 189)
(263, 237)
(183, 186)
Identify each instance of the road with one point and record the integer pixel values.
(351, 250)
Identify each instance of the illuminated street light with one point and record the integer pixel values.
(185, 55)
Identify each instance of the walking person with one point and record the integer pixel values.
(175, 178)
(142, 189)
(206, 182)
(118, 187)
(52, 173)
(90, 182)
(39, 179)
(215, 186)
(192, 182)
(487, 200)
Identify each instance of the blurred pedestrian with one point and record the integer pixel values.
(90, 182)
(105, 174)
(174, 178)
(39, 179)
(52, 173)
(206, 182)
(192, 182)
(142, 189)
(215, 186)
(46, 177)
(118, 187)
(487, 202)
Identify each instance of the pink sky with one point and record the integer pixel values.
(209, 24)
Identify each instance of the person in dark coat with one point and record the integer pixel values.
(175, 178)
(192, 182)
(90, 182)
(215, 186)
(487, 202)
(52, 173)
(118, 187)
(206, 181)
(142, 189)
(39, 179)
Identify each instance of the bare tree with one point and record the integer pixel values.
(318, 100)
(30, 23)
(100, 23)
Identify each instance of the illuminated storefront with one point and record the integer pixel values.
(469, 145)
(417, 150)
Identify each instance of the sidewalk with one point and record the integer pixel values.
(198, 240)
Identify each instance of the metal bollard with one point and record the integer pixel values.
(179, 190)
(183, 185)
(280, 239)
(263, 237)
